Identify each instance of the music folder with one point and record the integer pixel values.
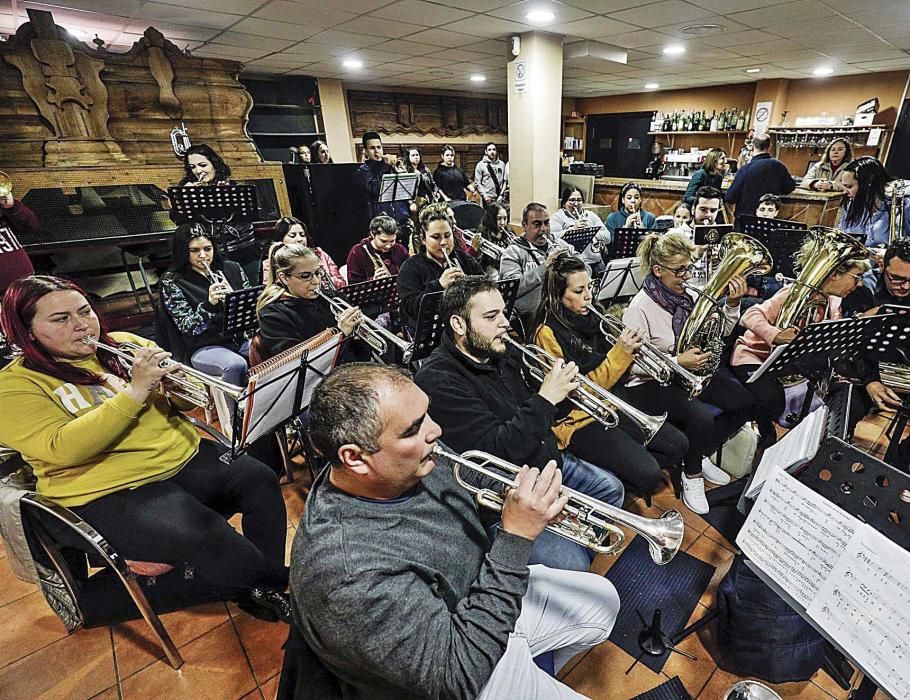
(710, 234)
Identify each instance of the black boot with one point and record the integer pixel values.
(263, 604)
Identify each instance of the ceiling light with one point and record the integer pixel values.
(674, 50)
(823, 70)
(477, 78)
(753, 70)
(651, 86)
(702, 29)
(352, 63)
(540, 16)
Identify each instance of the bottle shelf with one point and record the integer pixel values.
(709, 133)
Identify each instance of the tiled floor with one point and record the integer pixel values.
(230, 655)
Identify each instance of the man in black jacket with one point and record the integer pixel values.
(369, 178)
(481, 400)
(762, 175)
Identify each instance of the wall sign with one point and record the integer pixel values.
(762, 118)
(521, 76)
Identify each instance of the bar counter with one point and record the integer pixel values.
(660, 196)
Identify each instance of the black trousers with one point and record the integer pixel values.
(770, 400)
(182, 519)
(693, 417)
(620, 450)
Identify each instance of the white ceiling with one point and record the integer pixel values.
(417, 43)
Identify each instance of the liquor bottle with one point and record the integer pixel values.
(666, 125)
(741, 122)
(713, 124)
(748, 118)
(705, 121)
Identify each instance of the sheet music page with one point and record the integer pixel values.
(795, 536)
(865, 606)
(799, 445)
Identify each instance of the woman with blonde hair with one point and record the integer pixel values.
(661, 309)
(710, 174)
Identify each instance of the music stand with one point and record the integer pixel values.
(621, 278)
(626, 241)
(752, 225)
(580, 238)
(218, 206)
(379, 292)
(813, 352)
(397, 187)
(710, 234)
(240, 318)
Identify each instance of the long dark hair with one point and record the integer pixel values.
(285, 223)
(420, 167)
(488, 227)
(16, 318)
(222, 169)
(871, 177)
(314, 151)
(180, 254)
(553, 287)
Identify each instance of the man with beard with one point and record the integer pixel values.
(369, 178)
(490, 175)
(482, 402)
(708, 201)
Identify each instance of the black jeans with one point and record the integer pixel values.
(693, 416)
(620, 450)
(182, 519)
(770, 400)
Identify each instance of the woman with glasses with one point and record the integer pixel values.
(661, 309)
(290, 309)
(762, 333)
(290, 230)
(572, 214)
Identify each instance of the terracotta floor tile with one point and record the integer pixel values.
(288, 541)
(715, 535)
(26, 626)
(262, 642)
(254, 694)
(694, 673)
(294, 498)
(215, 668)
(717, 556)
(12, 588)
(78, 666)
(826, 683)
(109, 694)
(601, 675)
(270, 688)
(670, 502)
(721, 682)
(137, 647)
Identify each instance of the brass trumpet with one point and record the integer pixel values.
(590, 397)
(380, 269)
(216, 276)
(184, 383)
(589, 522)
(370, 332)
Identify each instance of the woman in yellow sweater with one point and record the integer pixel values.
(110, 445)
(566, 328)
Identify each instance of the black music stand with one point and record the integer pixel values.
(220, 206)
(240, 319)
(814, 351)
(710, 234)
(398, 187)
(626, 240)
(379, 292)
(752, 225)
(580, 238)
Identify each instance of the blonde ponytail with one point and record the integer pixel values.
(282, 258)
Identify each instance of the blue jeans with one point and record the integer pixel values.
(557, 552)
(219, 361)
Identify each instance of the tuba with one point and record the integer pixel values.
(588, 522)
(830, 249)
(739, 255)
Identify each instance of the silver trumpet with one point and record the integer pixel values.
(452, 260)
(590, 397)
(370, 332)
(488, 248)
(652, 361)
(216, 276)
(186, 383)
(589, 522)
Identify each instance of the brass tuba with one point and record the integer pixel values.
(739, 255)
(830, 249)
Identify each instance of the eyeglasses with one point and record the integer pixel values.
(679, 271)
(307, 276)
(897, 281)
(858, 278)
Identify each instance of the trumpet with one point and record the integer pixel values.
(370, 332)
(590, 397)
(186, 383)
(452, 260)
(651, 360)
(588, 522)
(487, 247)
(216, 276)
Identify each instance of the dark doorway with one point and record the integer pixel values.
(620, 142)
(898, 163)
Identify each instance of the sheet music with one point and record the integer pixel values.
(795, 536)
(797, 447)
(865, 606)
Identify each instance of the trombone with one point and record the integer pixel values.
(184, 383)
(590, 397)
(370, 332)
(650, 359)
(588, 522)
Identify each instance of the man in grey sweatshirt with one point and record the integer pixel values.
(394, 583)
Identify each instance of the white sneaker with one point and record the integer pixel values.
(693, 494)
(713, 473)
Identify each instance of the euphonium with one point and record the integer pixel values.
(589, 522)
(896, 190)
(180, 140)
(650, 359)
(590, 397)
(185, 382)
(830, 249)
(370, 332)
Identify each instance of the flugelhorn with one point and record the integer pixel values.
(452, 260)
(216, 276)
(651, 360)
(380, 269)
(183, 383)
(589, 522)
(370, 332)
(590, 397)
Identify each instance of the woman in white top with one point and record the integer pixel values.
(572, 214)
(660, 310)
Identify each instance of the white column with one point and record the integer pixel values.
(336, 120)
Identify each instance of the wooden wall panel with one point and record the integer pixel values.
(466, 155)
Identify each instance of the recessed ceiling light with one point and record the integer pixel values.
(477, 78)
(753, 70)
(352, 63)
(540, 16)
(674, 50)
(651, 86)
(823, 70)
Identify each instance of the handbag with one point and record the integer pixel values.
(738, 452)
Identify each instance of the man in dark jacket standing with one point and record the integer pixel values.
(762, 175)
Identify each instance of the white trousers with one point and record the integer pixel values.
(564, 612)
